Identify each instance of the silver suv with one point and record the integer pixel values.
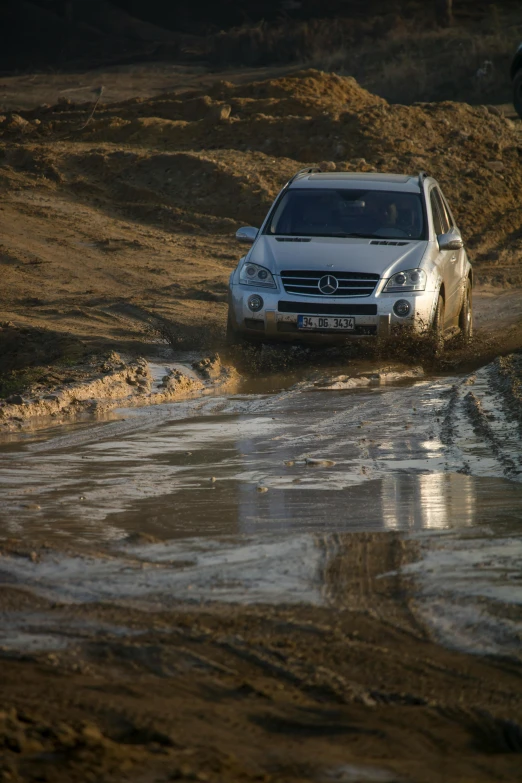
(345, 255)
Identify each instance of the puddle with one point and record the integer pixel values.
(255, 495)
(299, 460)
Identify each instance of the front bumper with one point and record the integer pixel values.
(374, 315)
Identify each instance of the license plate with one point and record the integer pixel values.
(330, 323)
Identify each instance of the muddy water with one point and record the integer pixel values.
(252, 495)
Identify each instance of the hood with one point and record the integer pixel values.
(332, 254)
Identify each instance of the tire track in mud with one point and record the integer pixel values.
(481, 427)
(211, 686)
(479, 421)
(317, 681)
(352, 567)
(506, 379)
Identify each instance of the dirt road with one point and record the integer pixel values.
(311, 580)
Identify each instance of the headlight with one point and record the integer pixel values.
(255, 303)
(402, 308)
(410, 280)
(253, 274)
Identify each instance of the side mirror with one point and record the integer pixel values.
(247, 234)
(452, 240)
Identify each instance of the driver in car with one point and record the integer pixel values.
(381, 216)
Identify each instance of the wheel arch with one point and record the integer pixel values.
(438, 292)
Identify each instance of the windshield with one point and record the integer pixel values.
(348, 213)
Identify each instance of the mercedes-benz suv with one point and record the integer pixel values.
(346, 255)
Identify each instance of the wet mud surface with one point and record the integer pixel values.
(314, 576)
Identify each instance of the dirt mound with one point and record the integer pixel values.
(223, 153)
(198, 186)
(308, 93)
(35, 361)
(312, 89)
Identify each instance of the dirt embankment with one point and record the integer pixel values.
(126, 217)
(40, 394)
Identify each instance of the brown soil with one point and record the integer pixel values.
(217, 693)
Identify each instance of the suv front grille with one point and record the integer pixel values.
(305, 283)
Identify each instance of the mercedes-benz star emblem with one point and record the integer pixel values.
(328, 284)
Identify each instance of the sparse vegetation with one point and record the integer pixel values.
(403, 61)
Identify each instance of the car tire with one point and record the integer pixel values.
(517, 92)
(466, 315)
(233, 336)
(437, 325)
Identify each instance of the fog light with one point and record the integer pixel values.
(255, 303)
(402, 308)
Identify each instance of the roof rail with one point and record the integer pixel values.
(302, 172)
(422, 177)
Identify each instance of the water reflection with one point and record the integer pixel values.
(238, 467)
(399, 502)
(428, 501)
